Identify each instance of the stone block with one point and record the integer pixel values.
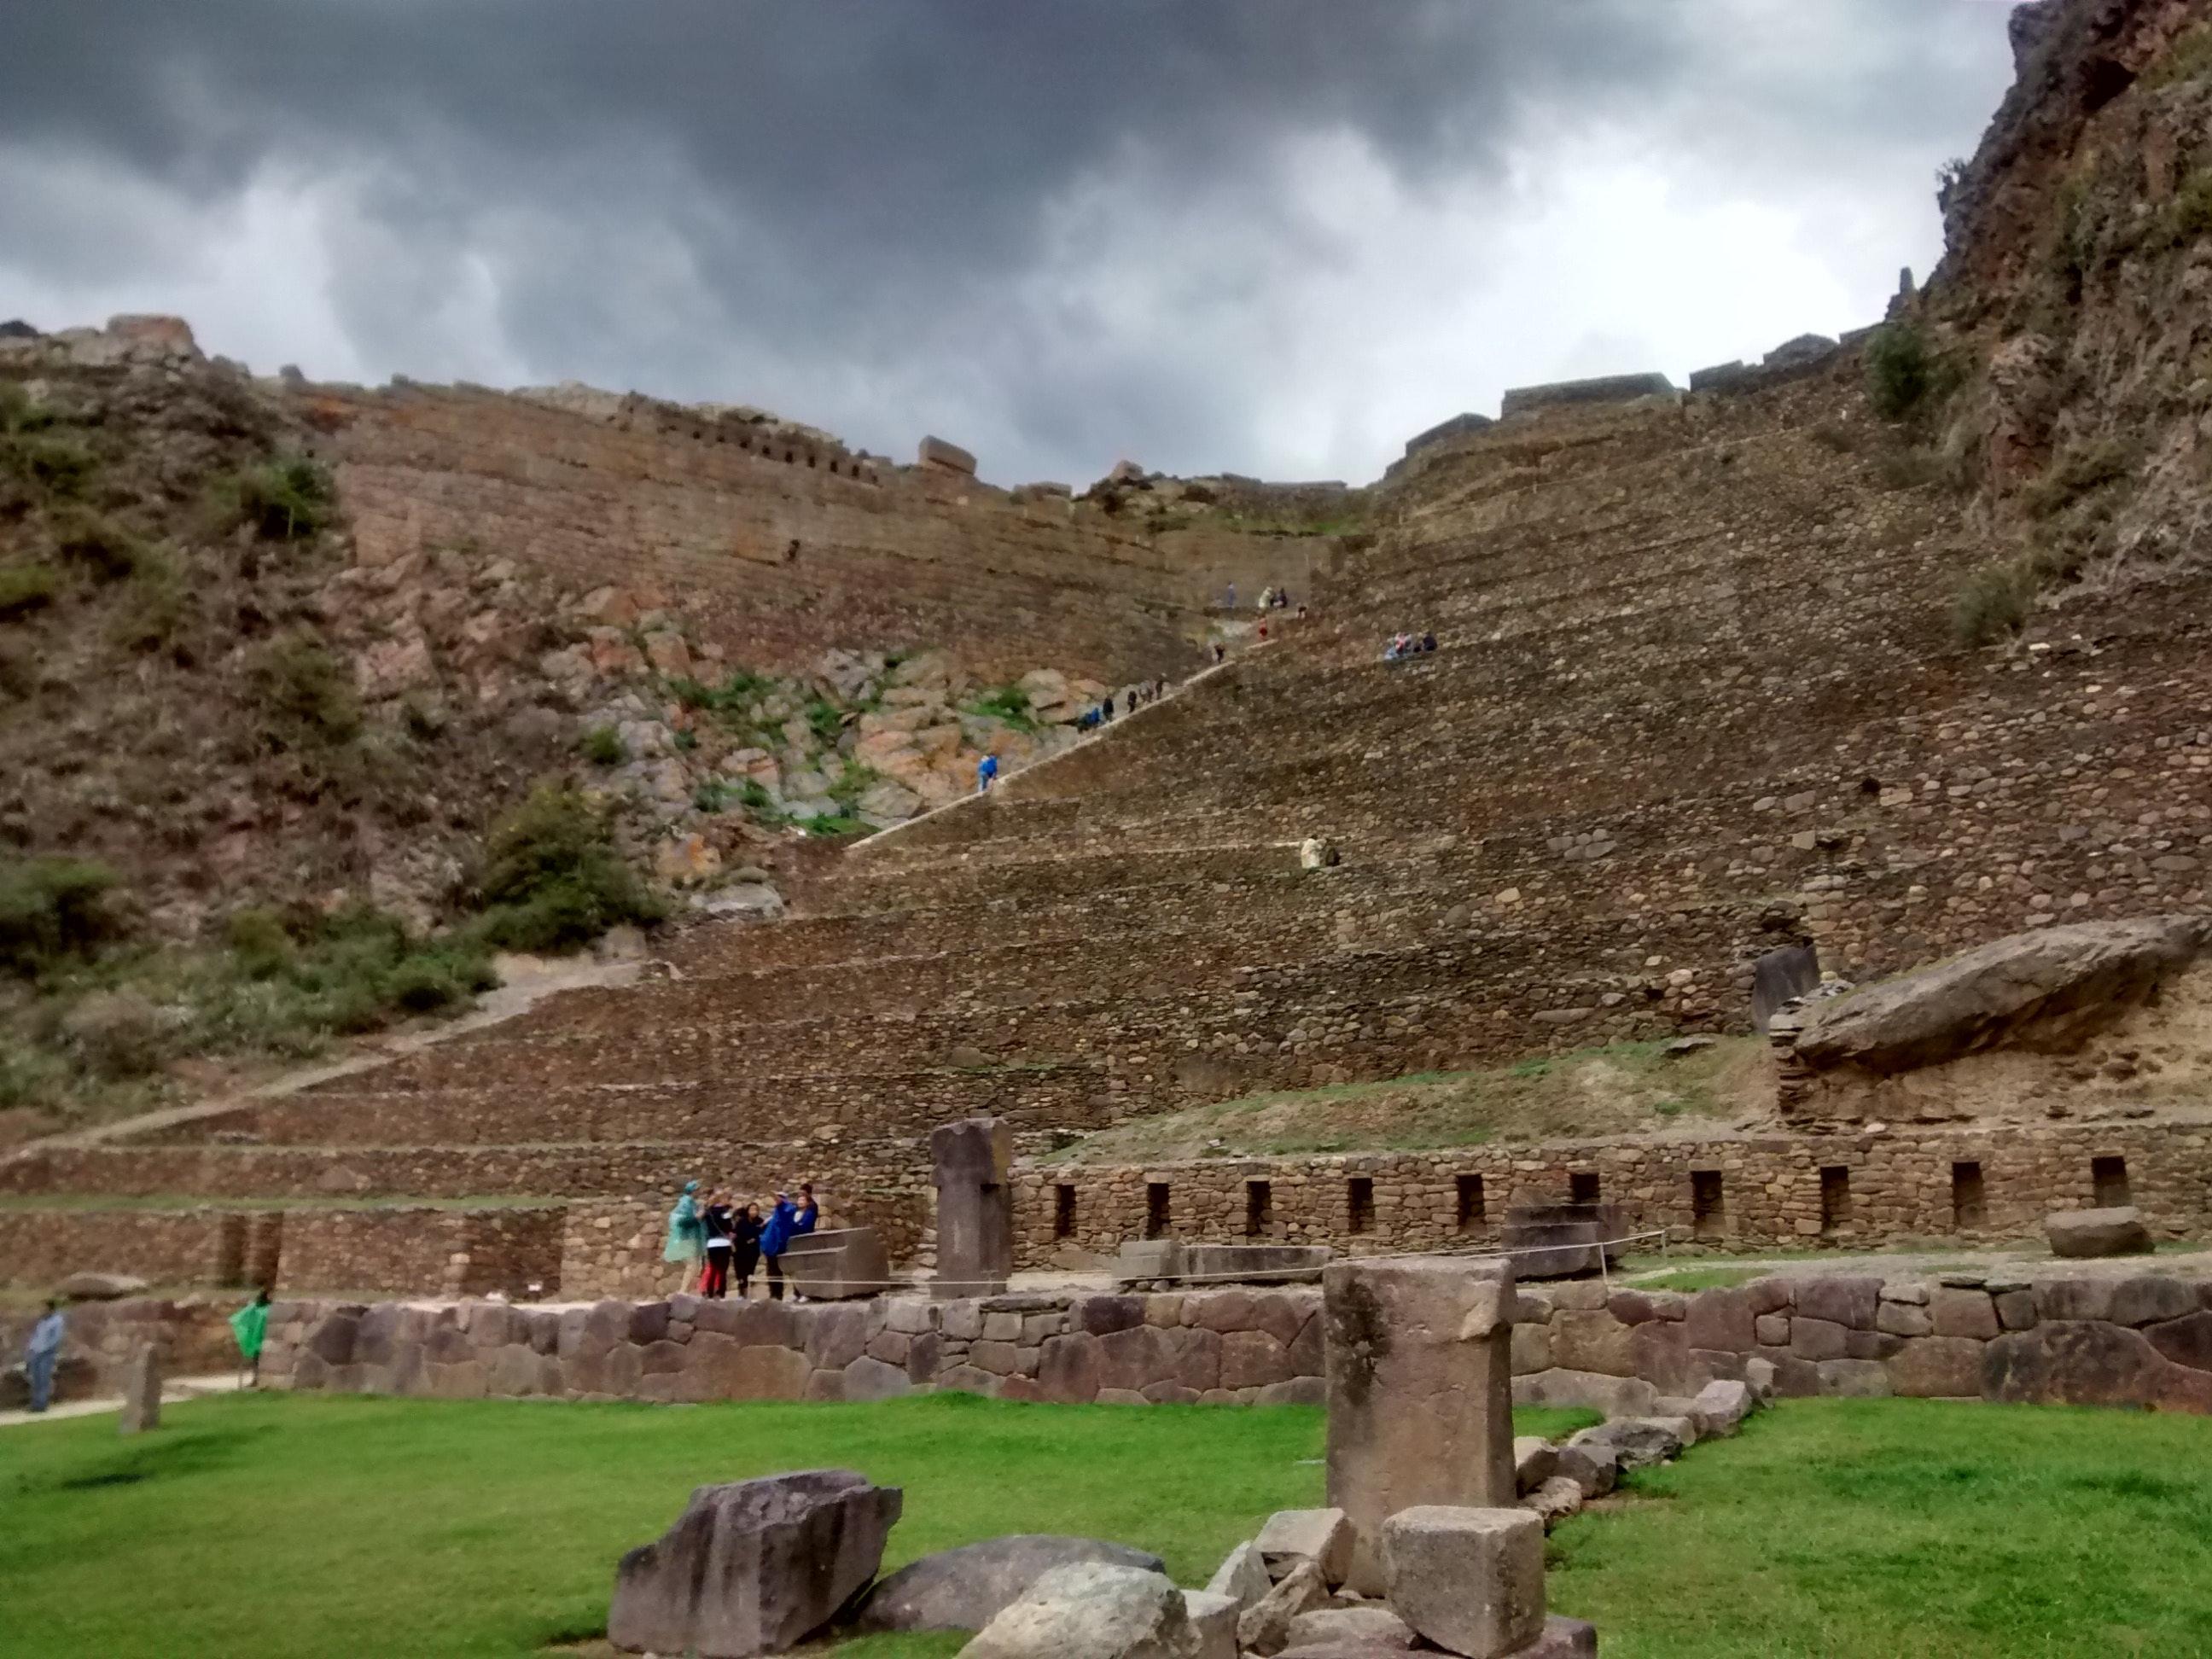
(1531, 1349)
(1535, 1461)
(2083, 1234)
(1770, 1330)
(1554, 1500)
(1636, 1442)
(2074, 1363)
(1265, 1627)
(1818, 1339)
(1773, 1294)
(837, 1264)
(1469, 1580)
(873, 1379)
(965, 1589)
(961, 1320)
(1071, 1369)
(1722, 1320)
(141, 1391)
(1856, 1379)
(1843, 1299)
(1420, 1402)
(1719, 1408)
(2071, 1299)
(1252, 1359)
(1903, 1319)
(1937, 1368)
(940, 456)
(1324, 1537)
(1592, 1341)
(972, 1162)
(1102, 1315)
(1365, 1629)
(1594, 1466)
(2016, 1309)
(2148, 1301)
(1616, 1396)
(1963, 1313)
(1242, 1575)
(1213, 1620)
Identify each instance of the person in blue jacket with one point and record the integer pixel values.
(987, 773)
(785, 1221)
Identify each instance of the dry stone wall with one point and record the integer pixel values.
(2139, 1341)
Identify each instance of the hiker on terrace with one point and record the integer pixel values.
(746, 1240)
(720, 1223)
(250, 1325)
(686, 1236)
(987, 773)
(1266, 598)
(42, 1352)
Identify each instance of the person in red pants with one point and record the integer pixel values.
(721, 1225)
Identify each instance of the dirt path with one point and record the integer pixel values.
(526, 982)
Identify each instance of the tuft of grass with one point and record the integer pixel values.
(1007, 703)
(59, 463)
(1994, 602)
(287, 498)
(306, 696)
(835, 823)
(602, 746)
(99, 545)
(2080, 470)
(1699, 1279)
(825, 720)
(25, 588)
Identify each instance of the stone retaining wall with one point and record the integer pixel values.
(2145, 1340)
(42, 1248)
(1225, 1347)
(192, 1335)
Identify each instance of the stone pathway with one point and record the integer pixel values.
(174, 1392)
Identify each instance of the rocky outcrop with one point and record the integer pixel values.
(2046, 990)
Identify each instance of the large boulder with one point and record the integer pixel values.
(1471, 1581)
(753, 1567)
(2087, 1233)
(1091, 1611)
(2045, 989)
(98, 1288)
(965, 1589)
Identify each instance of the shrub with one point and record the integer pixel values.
(26, 587)
(826, 722)
(553, 878)
(853, 782)
(99, 544)
(602, 746)
(837, 824)
(20, 412)
(288, 498)
(116, 1035)
(2081, 469)
(158, 605)
(307, 695)
(1993, 602)
(2188, 215)
(1009, 703)
(1901, 369)
(51, 909)
(57, 462)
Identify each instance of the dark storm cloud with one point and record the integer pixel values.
(827, 204)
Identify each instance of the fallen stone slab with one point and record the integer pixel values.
(1553, 1501)
(98, 1288)
(1535, 1459)
(754, 1566)
(1636, 1443)
(1471, 1581)
(1213, 1620)
(2086, 1234)
(1719, 1408)
(1594, 1468)
(1323, 1537)
(965, 1589)
(1091, 1611)
(1372, 1628)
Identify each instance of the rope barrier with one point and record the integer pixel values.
(992, 1287)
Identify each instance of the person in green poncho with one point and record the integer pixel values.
(250, 1325)
(687, 1235)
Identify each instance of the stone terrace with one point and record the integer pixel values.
(1695, 697)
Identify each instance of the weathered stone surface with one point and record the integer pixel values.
(1242, 1575)
(873, 1379)
(90, 1286)
(2063, 1362)
(1535, 1459)
(1420, 1390)
(753, 1567)
(1374, 1627)
(1603, 389)
(837, 1263)
(1616, 1396)
(1779, 976)
(1593, 1341)
(1469, 1580)
(141, 1391)
(1092, 1610)
(1265, 1627)
(965, 1589)
(1818, 1339)
(1553, 1501)
(1904, 1319)
(2148, 1301)
(1963, 1313)
(1857, 1379)
(1071, 1367)
(945, 456)
(1324, 1537)
(1593, 1468)
(1213, 1621)
(1563, 1638)
(1722, 1320)
(1937, 1368)
(1848, 1300)
(2089, 1233)
(1720, 1407)
(975, 1205)
(2047, 988)
(1635, 1441)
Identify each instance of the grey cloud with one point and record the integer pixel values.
(850, 198)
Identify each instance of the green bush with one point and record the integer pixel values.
(553, 878)
(1993, 602)
(99, 545)
(158, 605)
(306, 694)
(837, 824)
(602, 746)
(51, 909)
(289, 498)
(827, 723)
(1902, 369)
(26, 587)
(2081, 469)
(260, 942)
(58, 462)
(1009, 703)
(20, 412)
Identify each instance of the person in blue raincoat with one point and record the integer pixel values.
(687, 1235)
(776, 1233)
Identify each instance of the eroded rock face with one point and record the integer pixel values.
(965, 1589)
(2046, 989)
(753, 1567)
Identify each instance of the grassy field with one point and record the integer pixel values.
(1627, 1088)
(1830, 1529)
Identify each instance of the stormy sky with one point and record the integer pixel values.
(1270, 236)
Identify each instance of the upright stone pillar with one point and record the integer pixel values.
(141, 1391)
(1421, 1391)
(975, 1207)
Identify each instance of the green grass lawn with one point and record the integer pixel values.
(1830, 1529)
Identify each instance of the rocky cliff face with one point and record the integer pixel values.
(2075, 302)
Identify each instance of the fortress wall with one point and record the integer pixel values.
(777, 559)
